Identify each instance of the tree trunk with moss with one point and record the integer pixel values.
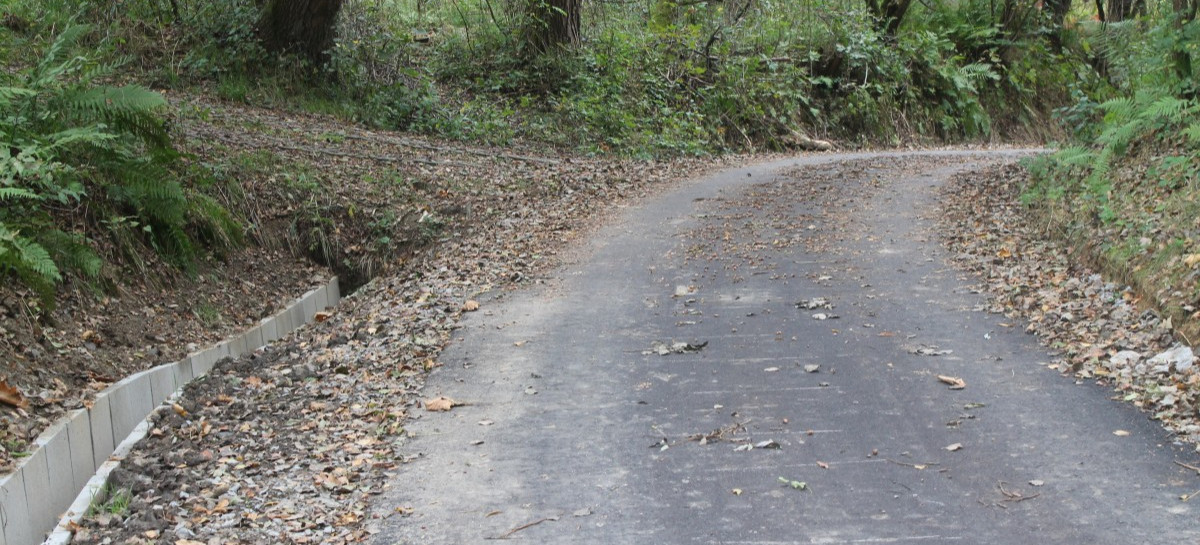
(553, 24)
(305, 27)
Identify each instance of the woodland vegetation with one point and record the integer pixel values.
(90, 176)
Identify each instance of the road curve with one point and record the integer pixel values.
(577, 430)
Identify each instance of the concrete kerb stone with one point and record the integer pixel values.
(56, 445)
(42, 512)
(254, 339)
(79, 439)
(202, 361)
(269, 330)
(335, 293)
(67, 453)
(183, 372)
(121, 408)
(296, 315)
(140, 399)
(321, 297)
(309, 306)
(162, 383)
(224, 349)
(18, 527)
(238, 345)
(100, 421)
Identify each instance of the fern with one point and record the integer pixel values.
(1167, 108)
(63, 138)
(15, 193)
(29, 261)
(1193, 133)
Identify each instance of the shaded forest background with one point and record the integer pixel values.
(90, 175)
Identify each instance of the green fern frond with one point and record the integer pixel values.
(28, 260)
(1118, 136)
(104, 99)
(93, 135)
(51, 68)
(1167, 108)
(14, 193)
(10, 94)
(1193, 133)
(1076, 156)
(72, 252)
(1118, 110)
(213, 223)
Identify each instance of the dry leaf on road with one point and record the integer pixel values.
(440, 404)
(954, 382)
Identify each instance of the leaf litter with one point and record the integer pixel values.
(300, 454)
(1100, 330)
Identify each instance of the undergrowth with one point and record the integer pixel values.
(1127, 186)
(81, 158)
(652, 79)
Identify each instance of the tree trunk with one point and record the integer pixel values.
(305, 27)
(1058, 10)
(1185, 13)
(888, 14)
(553, 24)
(1120, 10)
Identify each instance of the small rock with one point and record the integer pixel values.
(1179, 357)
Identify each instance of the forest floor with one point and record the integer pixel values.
(294, 442)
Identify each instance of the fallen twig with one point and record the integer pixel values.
(523, 527)
(906, 464)
(1014, 497)
(1189, 466)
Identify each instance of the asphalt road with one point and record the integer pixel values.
(576, 430)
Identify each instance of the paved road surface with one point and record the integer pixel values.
(563, 438)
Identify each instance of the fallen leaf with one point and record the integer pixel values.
(769, 443)
(11, 396)
(771, 369)
(954, 382)
(440, 404)
(582, 512)
(822, 465)
(737, 491)
(814, 303)
(798, 485)
(812, 368)
(1037, 482)
(955, 447)
(1121, 433)
(678, 347)
(322, 316)
(470, 306)
(931, 350)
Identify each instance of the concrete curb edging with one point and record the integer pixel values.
(69, 467)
